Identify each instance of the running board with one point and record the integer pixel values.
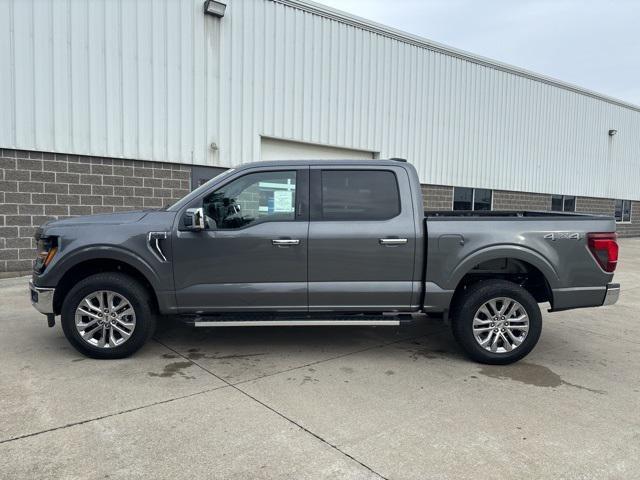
(292, 319)
(293, 323)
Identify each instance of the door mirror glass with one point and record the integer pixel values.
(194, 219)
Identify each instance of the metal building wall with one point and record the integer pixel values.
(117, 78)
(157, 79)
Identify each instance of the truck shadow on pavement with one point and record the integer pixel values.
(238, 354)
(234, 342)
(237, 350)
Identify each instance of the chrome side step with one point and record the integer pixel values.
(293, 323)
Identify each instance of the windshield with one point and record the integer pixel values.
(205, 186)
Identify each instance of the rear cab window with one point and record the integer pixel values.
(358, 195)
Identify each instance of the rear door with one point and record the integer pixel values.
(362, 239)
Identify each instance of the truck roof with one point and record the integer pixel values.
(377, 162)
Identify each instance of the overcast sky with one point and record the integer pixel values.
(591, 43)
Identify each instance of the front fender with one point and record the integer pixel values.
(54, 273)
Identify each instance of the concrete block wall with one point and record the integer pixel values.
(437, 197)
(606, 206)
(506, 200)
(440, 197)
(598, 206)
(631, 229)
(36, 187)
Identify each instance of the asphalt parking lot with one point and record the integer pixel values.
(349, 402)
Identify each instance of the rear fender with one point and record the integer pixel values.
(517, 252)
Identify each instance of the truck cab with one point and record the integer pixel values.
(300, 237)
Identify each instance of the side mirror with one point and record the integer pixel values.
(194, 219)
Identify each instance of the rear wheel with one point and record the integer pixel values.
(496, 322)
(108, 315)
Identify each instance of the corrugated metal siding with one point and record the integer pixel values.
(116, 78)
(157, 79)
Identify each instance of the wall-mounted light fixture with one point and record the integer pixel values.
(215, 8)
(612, 132)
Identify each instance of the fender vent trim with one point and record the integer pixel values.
(154, 242)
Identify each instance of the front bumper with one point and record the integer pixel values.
(613, 292)
(41, 298)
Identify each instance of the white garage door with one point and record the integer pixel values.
(275, 149)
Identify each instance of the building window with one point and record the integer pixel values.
(563, 203)
(471, 198)
(623, 211)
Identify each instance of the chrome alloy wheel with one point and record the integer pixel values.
(105, 319)
(500, 325)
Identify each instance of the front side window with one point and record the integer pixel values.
(623, 211)
(256, 197)
(471, 198)
(359, 195)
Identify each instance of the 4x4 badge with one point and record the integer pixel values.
(562, 236)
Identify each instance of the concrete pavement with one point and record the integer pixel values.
(348, 402)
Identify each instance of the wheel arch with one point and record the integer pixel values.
(87, 267)
(513, 263)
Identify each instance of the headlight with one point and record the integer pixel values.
(47, 248)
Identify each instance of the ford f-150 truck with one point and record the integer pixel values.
(320, 243)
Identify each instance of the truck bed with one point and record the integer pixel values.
(551, 243)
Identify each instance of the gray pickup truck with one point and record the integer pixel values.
(320, 243)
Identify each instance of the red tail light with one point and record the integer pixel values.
(604, 249)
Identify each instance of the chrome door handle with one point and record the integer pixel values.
(390, 242)
(285, 242)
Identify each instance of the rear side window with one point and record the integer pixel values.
(359, 195)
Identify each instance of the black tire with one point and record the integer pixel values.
(124, 285)
(468, 303)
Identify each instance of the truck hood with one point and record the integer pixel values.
(99, 219)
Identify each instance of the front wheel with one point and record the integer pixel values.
(496, 322)
(107, 315)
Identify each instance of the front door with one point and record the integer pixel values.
(362, 240)
(253, 253)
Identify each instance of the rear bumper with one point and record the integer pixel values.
(584, 297)
(41, 298)
(612, 295)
